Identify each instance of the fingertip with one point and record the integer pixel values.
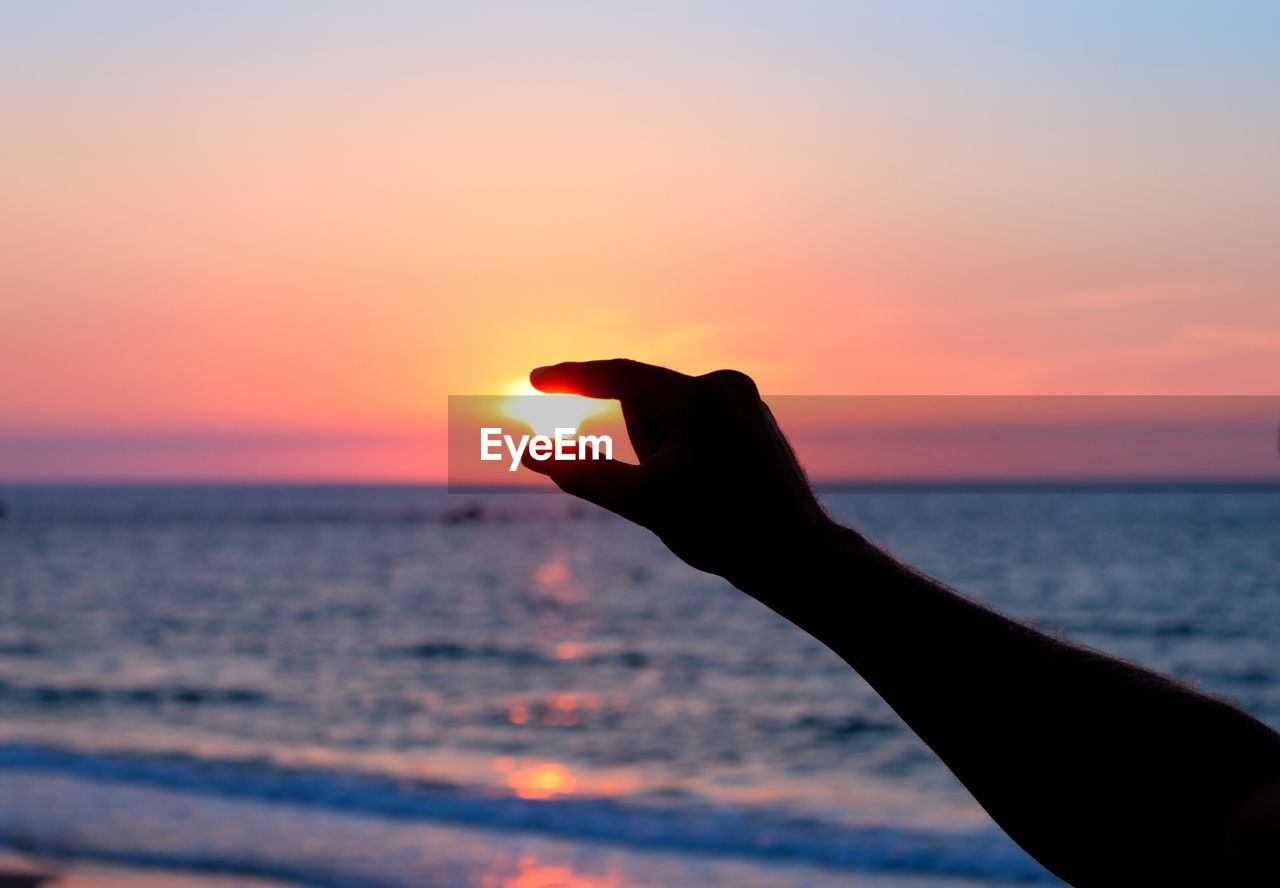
(545, 378)
(611, 378)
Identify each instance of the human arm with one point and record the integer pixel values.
(1105, 772)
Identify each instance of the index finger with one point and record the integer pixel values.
(619, 378)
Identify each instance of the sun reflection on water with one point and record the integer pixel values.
(553, 572)
(531, 873)
(541, 780)
(569, 650)
(554, 581)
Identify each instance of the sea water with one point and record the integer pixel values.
(399, 686)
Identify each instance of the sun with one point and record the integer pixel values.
(545, 413)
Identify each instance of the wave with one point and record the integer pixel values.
(514, 655)
(148, 695)
(668, 822)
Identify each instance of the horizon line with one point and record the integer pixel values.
(1046, 483)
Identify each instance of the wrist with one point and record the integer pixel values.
(795, 567)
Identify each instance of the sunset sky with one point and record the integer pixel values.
(267, 240)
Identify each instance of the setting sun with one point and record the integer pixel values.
(545, 413)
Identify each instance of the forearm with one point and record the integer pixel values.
(1090, 763)
(1103, 771)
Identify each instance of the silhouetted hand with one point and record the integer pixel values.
(717, 480)
(1107, 773)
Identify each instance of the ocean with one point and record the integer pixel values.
(391, 686)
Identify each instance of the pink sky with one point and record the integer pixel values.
(221, 230)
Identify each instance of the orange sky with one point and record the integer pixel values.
(271, 228)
